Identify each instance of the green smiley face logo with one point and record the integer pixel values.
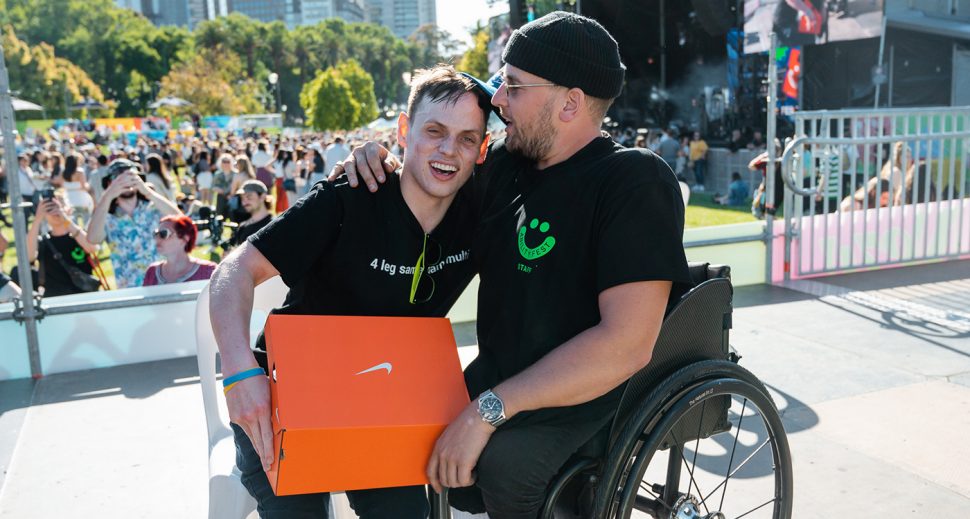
(78, 254)
(532, 253)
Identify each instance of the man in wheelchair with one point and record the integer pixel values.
(579, 250)
(580, 244)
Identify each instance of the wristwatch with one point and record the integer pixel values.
(491, 408)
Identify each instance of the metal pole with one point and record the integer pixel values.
(882, 47)
(770, 168)
(19, 219)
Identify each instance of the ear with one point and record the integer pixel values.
(403, 127)
(574, 103)
(484, 149)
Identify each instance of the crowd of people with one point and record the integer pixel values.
(148, 204)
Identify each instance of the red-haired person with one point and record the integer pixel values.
(175, 239)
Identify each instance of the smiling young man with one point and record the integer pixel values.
(579, 249)
(349, 252)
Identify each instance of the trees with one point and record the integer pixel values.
(362, 89)
(328, 102)
(42, 77)
(475, 60)
(213, 81)
(340, 98)
(126, 57)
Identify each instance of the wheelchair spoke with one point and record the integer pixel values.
(759, 507)
(734, 448)
(690, 471)
(700, 423)
(739, 467)
(644, 485)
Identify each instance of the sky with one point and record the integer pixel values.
(457, 16)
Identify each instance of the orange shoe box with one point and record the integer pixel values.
(359, 402)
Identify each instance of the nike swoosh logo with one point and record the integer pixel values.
(383, 365)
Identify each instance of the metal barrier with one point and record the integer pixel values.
(872, 188)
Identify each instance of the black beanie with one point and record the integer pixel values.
(569, 50)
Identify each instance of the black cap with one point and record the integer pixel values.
(569, 50)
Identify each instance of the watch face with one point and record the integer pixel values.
(490, 408)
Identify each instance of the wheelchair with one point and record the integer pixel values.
(695, 436)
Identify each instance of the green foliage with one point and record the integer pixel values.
(40, 76)
(212, 80)
(127, 57)
(329, 103)
(475, 60)
(362, 88)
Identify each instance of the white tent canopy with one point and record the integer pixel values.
(19, 105)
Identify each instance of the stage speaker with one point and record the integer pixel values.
(716, 16)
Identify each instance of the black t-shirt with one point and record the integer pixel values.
(550, 241)
(346, 251)
(245, 230)
(57, 282)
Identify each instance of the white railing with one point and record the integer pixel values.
(869, 189)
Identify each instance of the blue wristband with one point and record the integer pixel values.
(241, 376)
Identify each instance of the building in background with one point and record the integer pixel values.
(402, 17)
(288, 11)
(186, 13)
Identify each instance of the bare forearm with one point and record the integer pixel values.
(96, 226)
(231, 304)
(230, 309)
(582, 369)
(32, 234)
(597, 360)
(164, 205)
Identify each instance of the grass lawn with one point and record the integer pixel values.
(703, 212)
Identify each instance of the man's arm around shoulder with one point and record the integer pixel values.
(230, 309)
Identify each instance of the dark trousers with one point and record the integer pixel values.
(700, 171)
(525, 454)
(380, 503)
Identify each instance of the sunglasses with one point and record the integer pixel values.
(422, 284)
(162, 233)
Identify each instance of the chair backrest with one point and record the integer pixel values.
(695, 329)
(268, 295)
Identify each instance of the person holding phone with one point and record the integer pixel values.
(65, 247)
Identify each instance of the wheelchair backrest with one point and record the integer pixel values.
(695, 329)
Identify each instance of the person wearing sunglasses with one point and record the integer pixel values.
(175, 238)
(404, 251)
(579, 246)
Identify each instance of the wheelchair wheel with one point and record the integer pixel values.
(707, 443)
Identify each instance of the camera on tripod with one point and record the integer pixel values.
(214, 223)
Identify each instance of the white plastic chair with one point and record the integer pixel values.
(228, 499)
